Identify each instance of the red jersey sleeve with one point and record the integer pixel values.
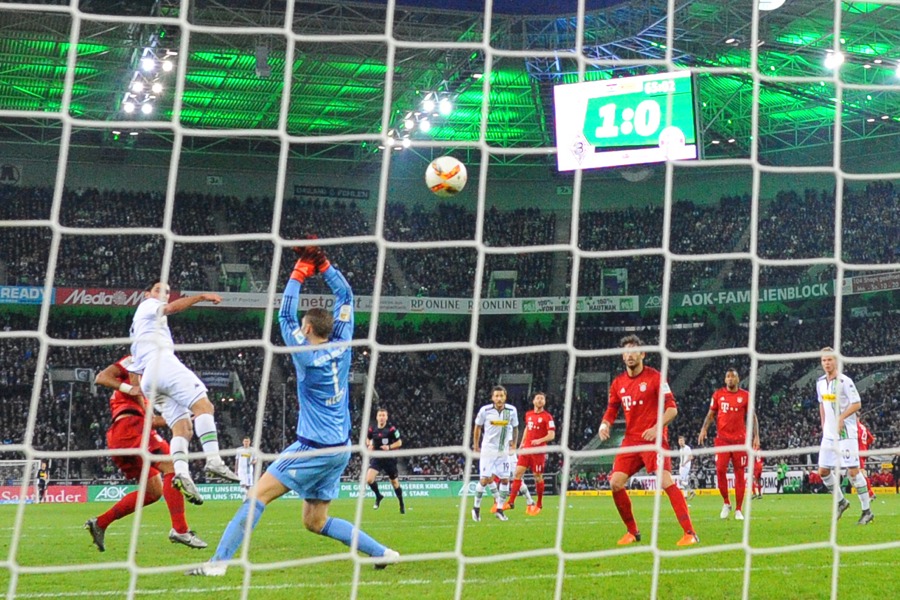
(668, 396)
(612, 409)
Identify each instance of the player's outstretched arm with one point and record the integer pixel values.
(182, 304)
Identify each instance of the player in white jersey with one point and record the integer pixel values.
(839, 402)
(500, 424)
(685, 460)
(174, 388)
(245, 465)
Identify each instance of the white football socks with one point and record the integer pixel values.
(862, 490)
(179, 448)
(205, 429)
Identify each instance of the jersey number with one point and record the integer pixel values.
(337, 386)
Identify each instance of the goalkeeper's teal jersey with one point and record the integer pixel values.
(323, 376)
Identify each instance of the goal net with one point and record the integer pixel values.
(714, 178)
(21, 474)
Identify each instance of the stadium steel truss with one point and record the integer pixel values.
(338, 86)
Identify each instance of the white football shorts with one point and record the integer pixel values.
(176, 387)
(493, 463)
(844, 452)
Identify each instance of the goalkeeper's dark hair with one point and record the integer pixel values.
(630, 340)
(321, 321)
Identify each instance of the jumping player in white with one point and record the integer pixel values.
(177, 391)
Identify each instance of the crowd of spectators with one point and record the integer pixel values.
(427, 391)
(128, 260)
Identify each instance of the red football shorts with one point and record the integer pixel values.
(737, 459)
(126, 433)
(535, 462)
(631, 462)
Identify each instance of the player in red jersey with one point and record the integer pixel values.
(757, 476)
(866, 439)
(539, 431)
(129, 410)
(731, 404)
(638, 391)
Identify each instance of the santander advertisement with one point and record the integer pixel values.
(10, 494)
(101, 297)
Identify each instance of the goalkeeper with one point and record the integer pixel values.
(323, 423)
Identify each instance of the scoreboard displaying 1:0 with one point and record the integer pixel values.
(625, 121)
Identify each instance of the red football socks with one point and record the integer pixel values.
(740, 487)
(679, 504)
(623, 505)
(122, 508)
(514, 490)
(175, 503)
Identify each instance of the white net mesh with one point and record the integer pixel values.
(771, 164)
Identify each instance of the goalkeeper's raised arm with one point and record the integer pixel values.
(311, 260)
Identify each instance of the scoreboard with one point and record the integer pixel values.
(626, 121)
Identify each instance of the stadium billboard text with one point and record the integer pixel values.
(465, 306)
(100, 297)
(348, 490)
(875, 283)
(209, 491)
(440, 306)
(414, 489)
(57, 494)
(23, 294)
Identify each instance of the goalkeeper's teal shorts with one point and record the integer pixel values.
(316, 477)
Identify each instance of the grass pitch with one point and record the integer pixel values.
(783, 531)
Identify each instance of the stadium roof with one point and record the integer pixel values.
(338, 84)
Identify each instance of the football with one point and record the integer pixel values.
(446, 176)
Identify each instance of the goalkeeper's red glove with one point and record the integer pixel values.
(314, 254)
(305, 265)
(320, 260)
